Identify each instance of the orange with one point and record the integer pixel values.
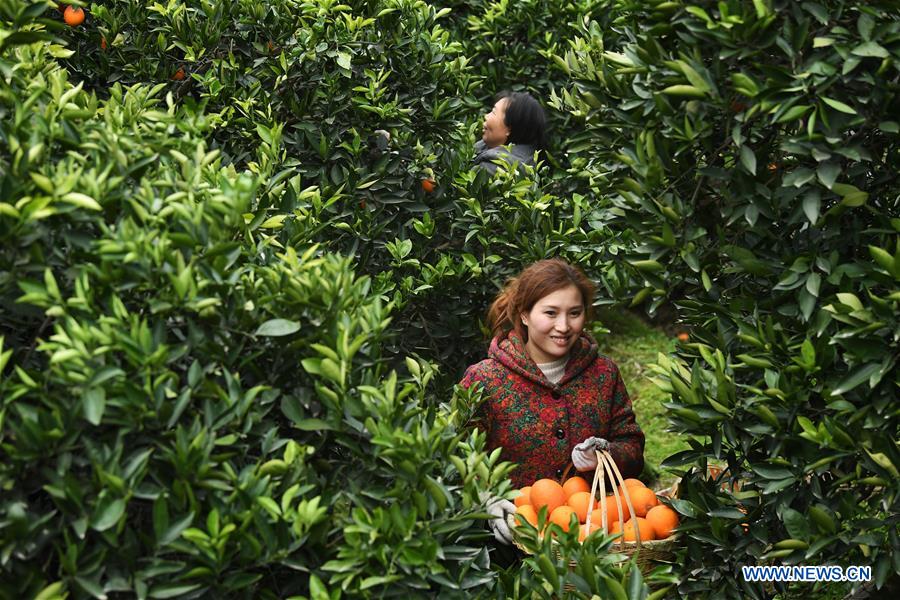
(428, 185)
(546, 492)
(644, 527)
(575, 484)
(528, 513)
(103, 43)
(663, 520)
(616, 529)
(580, 502)
(73, 16)
(643, 499)
(561, 515)
(612, 511)
(179, 74)
(631, 482)
(524, 497)
(684, 336)
(583, 532)
(744, 526)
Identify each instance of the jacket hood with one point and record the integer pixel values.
(509, 350)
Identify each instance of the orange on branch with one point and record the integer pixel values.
(428, 185)
(73, 16)
(179, 74)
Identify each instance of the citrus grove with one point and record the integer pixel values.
(244, 260)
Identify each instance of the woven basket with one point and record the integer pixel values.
(646, 552)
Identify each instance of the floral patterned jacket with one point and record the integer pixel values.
(537, 423)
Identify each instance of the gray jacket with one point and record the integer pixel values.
(487, 158)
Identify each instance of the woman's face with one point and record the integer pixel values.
(495, 132)
(554, 324)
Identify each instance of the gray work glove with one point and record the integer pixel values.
(500, 509)
(584, 455)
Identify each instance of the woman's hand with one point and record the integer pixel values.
(584, 455)
(500, 509)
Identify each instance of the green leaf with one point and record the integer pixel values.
(175, 529)
(107, 514)
(793, 113)
(343, 60)
(828, 173)
(744, 84)
(685, 507)
(808, 353)
(772, 472)
(748, 159)
(859, 375)
(796, 524)
(811, 205)
(81, 200)
(647, 265)
(813, 281)
(870, 50)
(270, 505)
(54, 591)
(855, 199)
(94, 402)
(884, 462)
(840, 106)
(173, 590)
(882, 257)
(313, 425)
(686, 91)
(278, 327)
(91, 587)
(850, 300)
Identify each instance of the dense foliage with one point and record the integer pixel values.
(231, 314)
(751, 149)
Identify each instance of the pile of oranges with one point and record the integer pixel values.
(654, 521)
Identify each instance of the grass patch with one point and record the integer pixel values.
(633, 344)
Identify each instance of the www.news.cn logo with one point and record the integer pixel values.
(807, 573)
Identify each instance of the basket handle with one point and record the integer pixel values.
(606, 463)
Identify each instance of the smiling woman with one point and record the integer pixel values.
(549, 394)
(514, 130)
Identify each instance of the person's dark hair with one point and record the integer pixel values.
(525, 118)
(522, 292)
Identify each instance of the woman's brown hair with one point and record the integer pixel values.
(521, 293)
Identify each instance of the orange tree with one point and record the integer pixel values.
(751, 149)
